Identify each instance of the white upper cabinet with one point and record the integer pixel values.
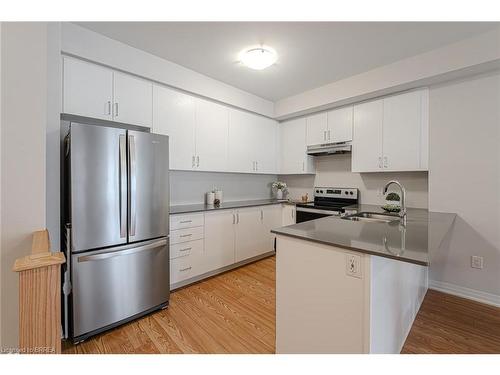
(340, 123)
(405, 134)
(133, 99)
(87, 89)
(211, 136)
(293, 149)
(391, 134)
(317, 129)
(91, 90)
(367, 137)
(242, 142)
(174, 115)
(265, 147)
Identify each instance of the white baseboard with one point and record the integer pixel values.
(460, 291)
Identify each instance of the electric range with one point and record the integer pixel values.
(328, 201)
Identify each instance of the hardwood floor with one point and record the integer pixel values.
(230, 313)
(235, 313)
(449, 324)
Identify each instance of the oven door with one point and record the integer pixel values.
(306, 214)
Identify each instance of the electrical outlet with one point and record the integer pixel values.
(353, 265)
(476, 262)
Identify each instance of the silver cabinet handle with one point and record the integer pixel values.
(256, 165)
(186, 249)
(385, 161)
(303, 166)
(324, 135)
(380, 162)
(116, 109)
(237, 218)
(133, 183)
(261, 215)
(109, 107)
(123, 185)
(186, 221)
(328, 134)
(185, 269)
(186, 235)
(198, 161)
(123, 250)
(193, 161)
(293, 214)
(234, 218)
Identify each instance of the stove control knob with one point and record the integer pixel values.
(351, 193)
(317, 191)
(347, 192)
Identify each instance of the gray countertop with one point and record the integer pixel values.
(187, 208)
(424, 231)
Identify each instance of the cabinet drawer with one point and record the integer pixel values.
(186, 248)
(186, 221)
(185, 267)
(185, 235)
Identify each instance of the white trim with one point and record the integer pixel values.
(460, 291)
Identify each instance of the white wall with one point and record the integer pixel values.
(0, 184)
(24, 105)
(335, 170)
(87, 44)
(54, 103)
(470, 56)
(464, 178)
(190, 187)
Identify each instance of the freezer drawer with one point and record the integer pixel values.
(114, 284)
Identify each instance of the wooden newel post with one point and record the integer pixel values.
(40, 297)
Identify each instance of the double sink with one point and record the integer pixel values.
(373, 217)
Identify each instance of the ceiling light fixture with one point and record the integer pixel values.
(258, 58)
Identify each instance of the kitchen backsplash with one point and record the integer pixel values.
(335, 170)
(190, 187)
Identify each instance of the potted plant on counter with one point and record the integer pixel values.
(392, 202)
(280, 188)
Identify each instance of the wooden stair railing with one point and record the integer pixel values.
(40, 297)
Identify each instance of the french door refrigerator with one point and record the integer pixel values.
(116, 217)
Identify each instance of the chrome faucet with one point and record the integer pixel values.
(402, 212)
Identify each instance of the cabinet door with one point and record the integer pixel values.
(293, 146)
(211, 136)
(87, 89)
(242, 141)
(402, 132)
(317, 129)
(367, 137)
(265, 145)
(133, 100)
(288, 215)
(174, 115)
(272, 220)
(340, 125)
(250, 233)
(219, 239)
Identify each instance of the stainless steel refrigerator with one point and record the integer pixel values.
(116, 219)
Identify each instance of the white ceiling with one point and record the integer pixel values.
(310, 54)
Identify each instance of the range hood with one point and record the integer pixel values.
(329, 148)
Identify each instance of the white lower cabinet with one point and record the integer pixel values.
(224, 238)
(219, 239)
(288, 214)
(251, 237)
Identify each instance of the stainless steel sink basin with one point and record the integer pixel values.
(373, 217)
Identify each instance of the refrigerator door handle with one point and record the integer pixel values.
(133, 183)
(117, 253)
(123, 186)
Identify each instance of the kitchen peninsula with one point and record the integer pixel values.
(345, 285)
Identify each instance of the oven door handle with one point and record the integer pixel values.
(316, 211)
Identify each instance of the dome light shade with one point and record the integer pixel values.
(258, 58)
